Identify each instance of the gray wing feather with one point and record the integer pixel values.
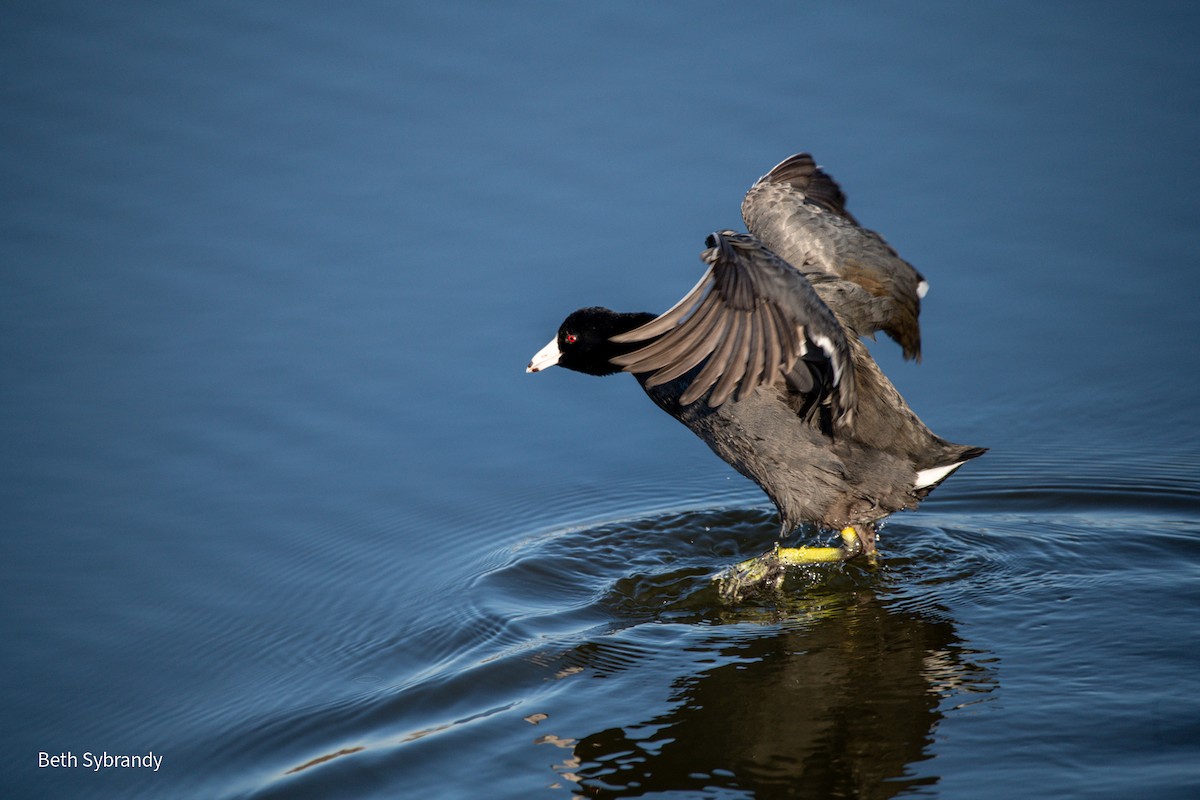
(671, 356)
(748, 320)
(800, 213)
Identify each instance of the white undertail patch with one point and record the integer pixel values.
(929, 477)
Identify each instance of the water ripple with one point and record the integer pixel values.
(618, 593)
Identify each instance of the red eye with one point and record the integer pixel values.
(570, 338)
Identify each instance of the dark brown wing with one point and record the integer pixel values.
(799, 212)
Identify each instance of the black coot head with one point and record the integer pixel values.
(583, 341)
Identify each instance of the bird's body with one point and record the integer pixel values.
(762, 359)
(831, 482)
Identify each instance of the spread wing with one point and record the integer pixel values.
(750, 320)
(799, 212)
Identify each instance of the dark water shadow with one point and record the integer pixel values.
(831, 687)
(843, 706)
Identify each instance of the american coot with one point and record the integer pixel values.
(762, 360)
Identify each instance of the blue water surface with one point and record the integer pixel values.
(280, 505)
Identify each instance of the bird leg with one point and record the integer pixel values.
(767, 570)
(794, 556)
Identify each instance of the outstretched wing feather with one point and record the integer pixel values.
(670, 357)
(737, 361)
(746, 322)
(671, 317)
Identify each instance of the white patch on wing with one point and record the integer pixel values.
(830, 353)
(922, 288)
(546, 357)
(928, 477)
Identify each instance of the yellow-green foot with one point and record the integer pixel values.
(767, 571)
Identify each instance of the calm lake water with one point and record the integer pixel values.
(280, 505)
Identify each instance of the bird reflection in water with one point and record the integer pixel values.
(841, 702)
